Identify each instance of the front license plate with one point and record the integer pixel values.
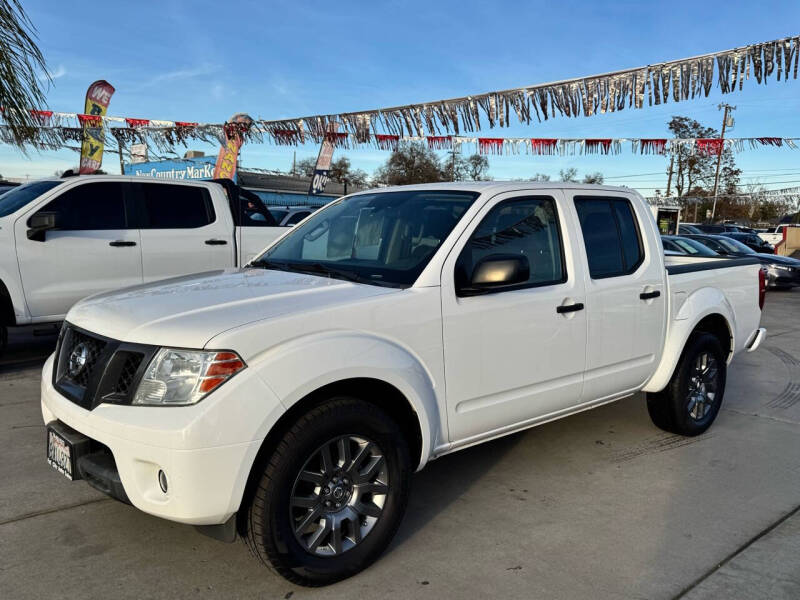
(59, 454)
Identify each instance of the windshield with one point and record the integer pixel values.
(15, 199)
(732, 245)
(694, 248)
(382, 238)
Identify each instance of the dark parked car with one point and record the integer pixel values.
(782, 271)
(686, 246)
(685, 228)
(752, 241)
(716, 228)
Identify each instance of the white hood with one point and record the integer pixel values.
(188, 311)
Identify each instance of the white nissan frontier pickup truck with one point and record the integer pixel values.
(290, 401)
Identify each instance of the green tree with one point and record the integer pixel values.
(22, 67)
(412, 162)
(341, 171)
(478, 168)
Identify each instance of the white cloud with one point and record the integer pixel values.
(60, 71)
(181, 74)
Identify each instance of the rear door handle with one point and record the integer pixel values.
(121, 243)
(649, 295)
(216, 242)
(568, 308)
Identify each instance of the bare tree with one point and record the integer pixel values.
(569, 175)
(22, 67)
(596, 177)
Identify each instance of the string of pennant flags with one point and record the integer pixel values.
(449, 119)
(165, 134)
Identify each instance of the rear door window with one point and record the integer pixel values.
(611, 236)
(176, 206)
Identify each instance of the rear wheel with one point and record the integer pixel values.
(333, 494)
(693, 397)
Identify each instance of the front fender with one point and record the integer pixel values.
(298, 367)
(11, 281)
(697, 306)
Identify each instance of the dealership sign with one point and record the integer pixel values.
(187, 169)
(323, 166)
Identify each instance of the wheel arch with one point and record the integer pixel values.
(709, 321)
(376, 391)
(7, 315)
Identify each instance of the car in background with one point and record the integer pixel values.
(289, 216)
(775, 236)
(686, 246)
(689, 228)
(752, 241)
(6, 186)
(782, 271)
(716, 228)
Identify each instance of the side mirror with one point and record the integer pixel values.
(41, 222)
(496, 272)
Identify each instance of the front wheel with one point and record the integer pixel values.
(333, 494)
(693, 397)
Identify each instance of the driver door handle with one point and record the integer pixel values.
(649, 295)
(568, 308)
(121, 243)
(216, 242)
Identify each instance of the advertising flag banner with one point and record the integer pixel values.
(234, 129)
(323, 166)
(98, 97)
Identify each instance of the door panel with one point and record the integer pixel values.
(510, 356)
(625, 332)
(78, 259)
(181, 233)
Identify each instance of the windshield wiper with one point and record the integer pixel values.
(335, 272)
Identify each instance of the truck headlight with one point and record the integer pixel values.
(180, 377)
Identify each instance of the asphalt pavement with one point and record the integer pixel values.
(598, 505)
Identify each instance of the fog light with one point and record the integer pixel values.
(162, 480)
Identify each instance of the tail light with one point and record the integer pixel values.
(762, 288)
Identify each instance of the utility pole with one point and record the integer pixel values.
(669, 179)
(294, 163)
(727, 108)
(453, 172)
(121, 163)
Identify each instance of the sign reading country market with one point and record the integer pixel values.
(187, 169)
(323, 167)
(98, 96)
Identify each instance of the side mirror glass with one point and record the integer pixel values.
(41, 222)
(496, 272)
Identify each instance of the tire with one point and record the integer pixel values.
(693, 397)
(3, 340)
(367, 521)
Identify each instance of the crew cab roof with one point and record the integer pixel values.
(497, 187)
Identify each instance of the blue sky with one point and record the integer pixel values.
(203, 61)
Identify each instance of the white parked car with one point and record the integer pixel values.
(64, 239)
(775, 236)
(290, 401)
(289, 216)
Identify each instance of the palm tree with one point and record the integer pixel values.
(22, 71)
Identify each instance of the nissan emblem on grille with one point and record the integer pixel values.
(77, 359)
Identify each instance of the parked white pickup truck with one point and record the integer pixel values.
(64, 239)
(775, 236)
(290, 401)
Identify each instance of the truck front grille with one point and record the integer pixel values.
(91, 369)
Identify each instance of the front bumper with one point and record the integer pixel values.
(205, 450)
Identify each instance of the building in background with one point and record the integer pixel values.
(274, 189)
